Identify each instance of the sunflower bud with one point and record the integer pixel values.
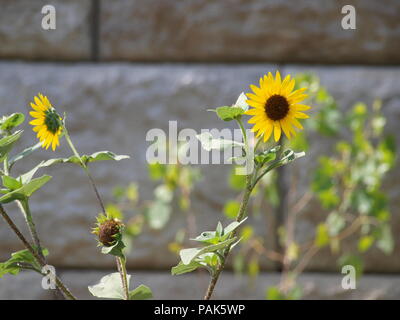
(107, 230)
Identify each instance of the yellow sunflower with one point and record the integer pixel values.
(47, 122)
(276, 106)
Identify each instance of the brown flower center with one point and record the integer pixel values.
(276, 107)
(107, 232)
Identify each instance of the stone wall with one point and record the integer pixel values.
(120, 68)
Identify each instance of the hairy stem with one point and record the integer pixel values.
(37, 257)
(122, 270)
(24, 206)
(239, 217)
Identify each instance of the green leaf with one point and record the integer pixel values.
(11, 183)
(182, 268)
(26, 190)
(386, 242)
(353, 260)
(365, 243)
(11, 265)
(241, 102)
(287, 157)
(231, 209)
(229, 113)
(188, 255)
(232, 227)
(335, 223)
(110, 287)
(209, 143)
(26, 152)
(322, 235)
(114, 212)
(237, 181)
(6, 143)
(142, 292)
(156, 170)
(267, 155)
(97, 156)
(7, 123)
(116, 249)
(273, 293)
(158, 214)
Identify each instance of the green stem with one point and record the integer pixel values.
(121, 264)
(34, 253)
(85, 168)
(239, 121)
(24, 206)
(239, 217)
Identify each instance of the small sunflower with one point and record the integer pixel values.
(47, 122)
(108, 230)
(276, 106)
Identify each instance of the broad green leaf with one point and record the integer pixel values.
(209, 143)
(185, 268)
(232, 227)
(7, 123)
(229, 113)
(267, 156)
(97, 156)
(142, 292)
(110, 286)
(188, 255)
(116, 249)
(11, 183)
(6, 143)
(11, 265)
(26, 190)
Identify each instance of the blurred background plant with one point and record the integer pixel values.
(346, 184)
(173, 191)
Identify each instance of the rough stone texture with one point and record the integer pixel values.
(348, 86)
(164, 286)
(113, 106)
(255, 30)
(22, 36)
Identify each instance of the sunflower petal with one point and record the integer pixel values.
(277, 130)
(301, 115)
